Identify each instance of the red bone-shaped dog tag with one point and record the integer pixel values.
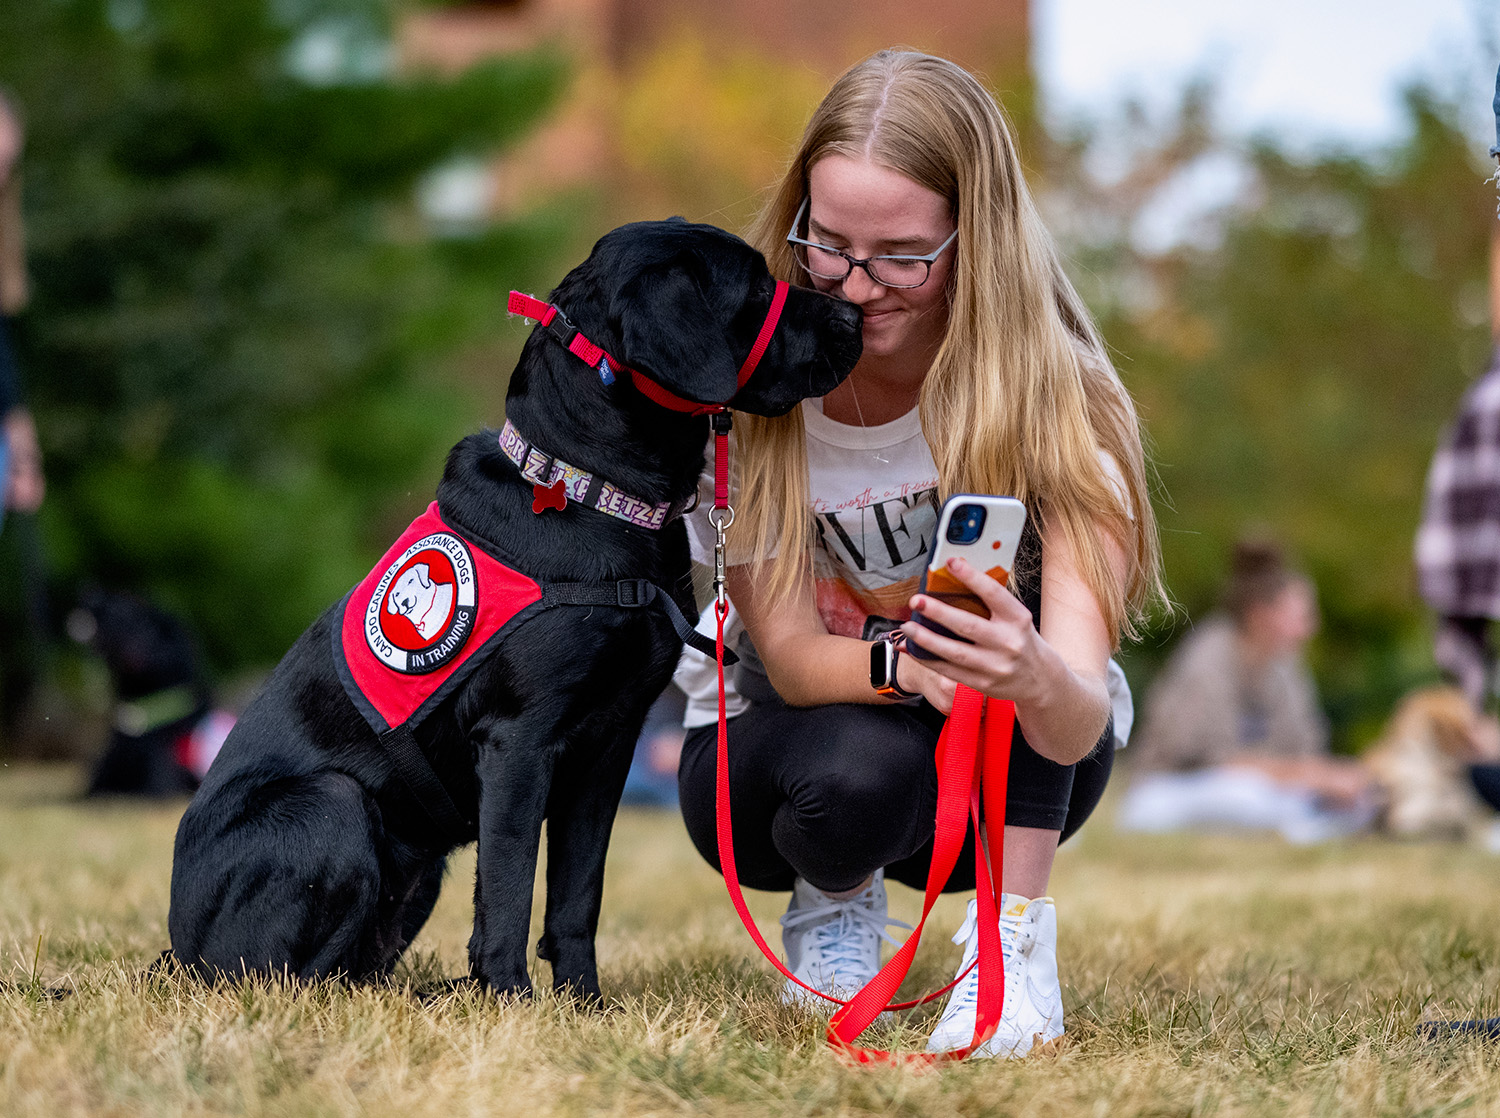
(544, 497)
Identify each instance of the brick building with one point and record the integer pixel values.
(691, 106)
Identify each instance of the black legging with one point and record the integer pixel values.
(833, 793)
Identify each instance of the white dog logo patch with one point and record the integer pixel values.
(422, 610)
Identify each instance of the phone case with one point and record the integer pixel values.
(994, 552)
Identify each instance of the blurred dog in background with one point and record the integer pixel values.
(164, 731)
(1423, 763)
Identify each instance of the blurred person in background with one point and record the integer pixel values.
(20, 456)
(1458, 540)
(652, 780)
(1436, 483)
(22, 619)
(1232, 735)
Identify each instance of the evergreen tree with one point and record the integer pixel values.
(241, 341)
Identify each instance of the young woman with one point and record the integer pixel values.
(982, 373)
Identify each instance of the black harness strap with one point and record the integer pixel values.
(632, 593)
(416, 771)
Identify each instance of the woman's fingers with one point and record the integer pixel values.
(989, 654)
(993, 593)
(951, 654)
(950, 617)
(1003, 606)
(952, 664)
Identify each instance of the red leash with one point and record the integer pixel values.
(973, 761)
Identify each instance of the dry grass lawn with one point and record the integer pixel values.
(1220, 976)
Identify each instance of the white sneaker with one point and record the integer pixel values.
(833, 946)
(1032, 1013)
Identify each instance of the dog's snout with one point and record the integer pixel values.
(849, 338)
(847, 313)
(837, 323)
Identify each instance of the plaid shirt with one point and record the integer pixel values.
(1458, 542)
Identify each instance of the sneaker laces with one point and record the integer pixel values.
(842, 943)
(1015, 934)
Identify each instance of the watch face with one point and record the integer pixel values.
(880, 664)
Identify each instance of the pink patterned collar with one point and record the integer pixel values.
(556, 482)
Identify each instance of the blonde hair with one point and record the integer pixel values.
(1021, 397)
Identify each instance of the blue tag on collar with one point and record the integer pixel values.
(606, 371)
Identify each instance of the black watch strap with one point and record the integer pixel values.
(883, 661)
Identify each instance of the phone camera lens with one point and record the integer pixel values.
(966, 524)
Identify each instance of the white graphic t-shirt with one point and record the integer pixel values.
(874, 506)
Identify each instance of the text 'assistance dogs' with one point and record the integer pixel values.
(495, 668)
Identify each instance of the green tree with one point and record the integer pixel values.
(1296, 363)
(243, 340)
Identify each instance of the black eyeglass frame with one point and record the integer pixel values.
(856, 262)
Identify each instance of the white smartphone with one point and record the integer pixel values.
(984, 530)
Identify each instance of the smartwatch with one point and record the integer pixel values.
(883, 656)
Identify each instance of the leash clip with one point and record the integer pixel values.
(720, 523)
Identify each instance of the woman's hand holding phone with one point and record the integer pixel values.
(998, 655)
(991, 643)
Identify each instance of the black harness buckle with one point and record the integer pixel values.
(632, 593)
(561, 327)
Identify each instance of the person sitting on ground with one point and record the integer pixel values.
(1232, 734)
(981, 372)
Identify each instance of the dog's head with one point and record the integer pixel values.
(1422, 763)
(145, 648)
(1459, 730)
(683, 304)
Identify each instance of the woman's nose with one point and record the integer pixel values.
(860, 286)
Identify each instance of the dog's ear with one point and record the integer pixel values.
(672, 333)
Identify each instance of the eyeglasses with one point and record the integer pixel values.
(888, 271)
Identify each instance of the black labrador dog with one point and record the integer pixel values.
(316, 846)
(161, 694)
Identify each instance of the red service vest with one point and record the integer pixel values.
(422, 620)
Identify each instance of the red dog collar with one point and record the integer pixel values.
(551, 316)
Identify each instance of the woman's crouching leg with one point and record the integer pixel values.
(830, 793)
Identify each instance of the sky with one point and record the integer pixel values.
(1314, 71)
